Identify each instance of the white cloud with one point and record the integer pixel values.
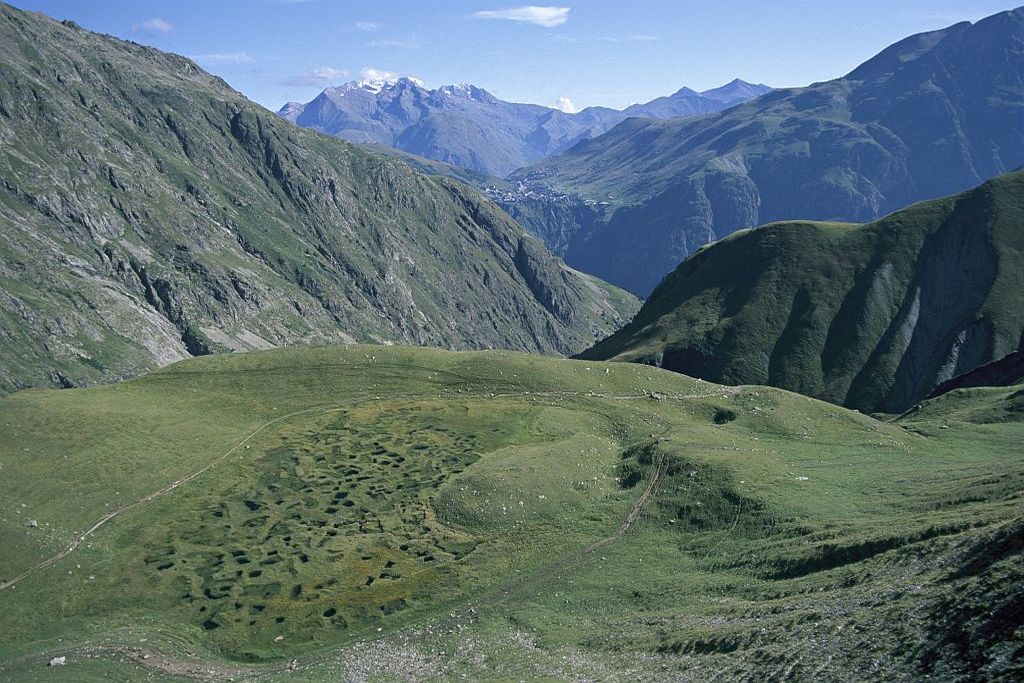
(368, 25)
(323, 75)
(154, 25)
(547, 17)
(371, 74)
(224, 58)
(564, 104)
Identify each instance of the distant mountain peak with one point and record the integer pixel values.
(375, 84)
(466, 90)
(458, 89)
(737, 90)
(290, 108)
(464, 125)
(685, 91)
(410, 80)
(372, 85)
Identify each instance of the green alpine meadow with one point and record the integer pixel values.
(322, 357)
(300, 513)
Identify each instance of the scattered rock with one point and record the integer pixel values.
(32, 523)
(57, 661)
(278, 639)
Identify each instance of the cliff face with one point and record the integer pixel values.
(1004, 372)
(871, 316)
(151, 213)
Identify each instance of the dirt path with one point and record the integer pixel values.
(120, 510)
(499, 595)
(150, 658)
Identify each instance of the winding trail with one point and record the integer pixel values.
(153, 659)
(120, 510)
(498, 595)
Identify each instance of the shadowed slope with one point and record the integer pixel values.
(870, 316)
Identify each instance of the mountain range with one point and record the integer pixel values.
(466, 126)
(151, 213)
(873, 317)
(450, 500)
(931, 115)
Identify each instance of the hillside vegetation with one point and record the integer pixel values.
(326, 514)
(871, 316)
(150, 213)
(934, 114)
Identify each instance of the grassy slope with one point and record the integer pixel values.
(783, 527)
(149, 212)
(870, 316)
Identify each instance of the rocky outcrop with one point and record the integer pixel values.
(1006, 371)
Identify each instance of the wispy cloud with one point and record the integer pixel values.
(368, 25)
(154, 25)
(387, 42)
(224, 58)
(321, 76)
(548, 17)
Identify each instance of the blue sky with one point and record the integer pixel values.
(593, 52)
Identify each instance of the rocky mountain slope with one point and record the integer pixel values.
(467, 126)
(150, 213)
(1006, 371)
(872, 316)
(934, 114)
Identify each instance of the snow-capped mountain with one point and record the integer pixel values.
(467, 126)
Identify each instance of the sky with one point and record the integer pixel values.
(572, 53)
